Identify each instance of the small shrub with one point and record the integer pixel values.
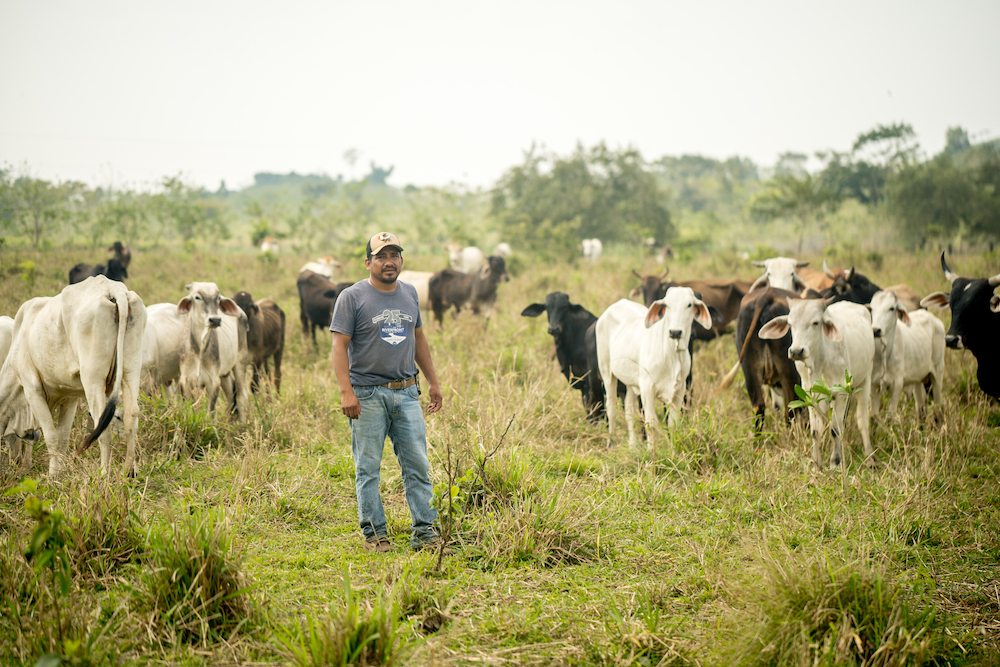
(835, 616)
(360, 634)
(195, 584)
(106, 531)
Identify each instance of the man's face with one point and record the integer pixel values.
(386, 265)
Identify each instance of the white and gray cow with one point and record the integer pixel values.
(647, 349)
(909, 347)
(827, 342)
(22, 429)
(780, 273)
(213, 351)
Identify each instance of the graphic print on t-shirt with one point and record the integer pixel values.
(392, 331)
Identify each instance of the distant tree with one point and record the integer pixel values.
(35, 206)
(805, 199)
(956, 141)
(378, 175)
(550, 202)
(791, 164)
(192, 212)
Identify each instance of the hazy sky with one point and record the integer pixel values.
(127, 92)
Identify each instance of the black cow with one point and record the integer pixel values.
(975, 319)
(317, 296)
(764, 362)
(450, 288)
(114, 270)
(849, 285)
(122, 253)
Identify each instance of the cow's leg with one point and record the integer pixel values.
(895, 391)
(649, 420)
(226, 384)
(837, 429)
(277, 370)
(816, 426)
(919, 397)
(96, 402)
(630, 415)
(35, 399)
(610, 403)
(863, 394)
(755, 390)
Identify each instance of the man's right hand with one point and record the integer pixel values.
(350, 406)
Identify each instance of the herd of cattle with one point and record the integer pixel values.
(97, 341)
(794, 326)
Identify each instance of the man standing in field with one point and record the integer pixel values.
(377, 337)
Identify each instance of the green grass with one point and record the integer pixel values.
(569, 552)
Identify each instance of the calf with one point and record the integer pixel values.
(592, 249)
(449, 288)
(161, 346)
(466, 260)
(722, 298)
(269, 244)
(122, 254)
(503, 249)
(828, 342)
(975, 319)
(317, 295)
(213, 351)
(909, 347)
(113, 270)
(765, 363)
(568, 324)
(647, 349)
(265, 336)
(85, 342)
(22, 429)
(421, 281)
(780, 272)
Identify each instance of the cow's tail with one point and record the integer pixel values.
(113, 380)
(759, 304)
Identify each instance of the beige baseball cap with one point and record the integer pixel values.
(381, 240)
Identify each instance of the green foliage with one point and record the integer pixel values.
(195, 585)
(827, 615)
(192, 212)
(550, 203)
(805, 198)
(360, 634)
(819, 393)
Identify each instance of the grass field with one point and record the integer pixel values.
(238, 545)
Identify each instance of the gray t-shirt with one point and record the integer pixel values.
(381, 326)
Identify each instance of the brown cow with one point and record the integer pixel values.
(719, 295)
(453, 288)
(265, 336)
(317, 295)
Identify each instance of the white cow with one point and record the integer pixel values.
(647, 349)
(827, 342)
(779, 272)
(269, 244)
(467, 259)
(592, 249)
(503, 249)
(20, 455)
(86, 342)
(324, 266)
(420, 280)
(213, 352)
(908, 348)
(161, 346)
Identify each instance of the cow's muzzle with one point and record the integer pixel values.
(676, 334)
(877, 331)
(555, 331)
(796, 353)
(214, 322)
(954, 342)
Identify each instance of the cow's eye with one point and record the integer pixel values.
(197, 298)
(815, 324)
(690, 304)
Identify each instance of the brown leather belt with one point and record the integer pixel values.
(400, 384)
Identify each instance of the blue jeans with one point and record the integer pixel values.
(395, 413)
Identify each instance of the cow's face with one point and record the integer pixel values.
(886, 311)
(809, 323)
(780, 272)
(496, 267)
(676, 311)
(205, 306)
(651, 286)
(973, 308)
(851, 286)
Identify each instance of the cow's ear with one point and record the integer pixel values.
(655, 313)
(184, 305)
(902, 314)
(703, 314)
(484, 272)
(775, 329)
(935, 300)
(229, 307)
(577, 309)
(330, 294)
(534, 310)
(255, 308)
(831, 331)
(635, 293)
(188, 287)
(995, 303)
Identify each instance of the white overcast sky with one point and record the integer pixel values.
(124, 93)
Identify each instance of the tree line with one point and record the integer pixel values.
(547, 203)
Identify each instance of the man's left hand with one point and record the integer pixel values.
(434, 393)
